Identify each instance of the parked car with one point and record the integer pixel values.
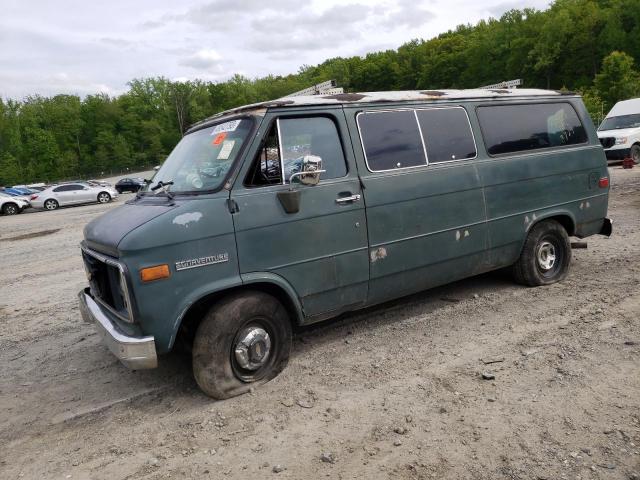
(619, 132)
(130, 185)
(12, 205)
(71, 194)
(24, 190)
(240, 238)
(98, 183)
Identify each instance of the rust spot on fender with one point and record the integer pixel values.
(345, 97)
(433, 93)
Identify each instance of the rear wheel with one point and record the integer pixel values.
(51, 204)
(104, 197)
(545, 257)
(10, 209)
(635, 153)
(242, 342)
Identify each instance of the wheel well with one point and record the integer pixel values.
(194, 314)
(565, 220)
(9, 203)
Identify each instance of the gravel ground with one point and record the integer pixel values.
(394, 391)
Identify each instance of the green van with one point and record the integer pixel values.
(294, 211)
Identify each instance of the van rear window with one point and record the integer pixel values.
(518, 128)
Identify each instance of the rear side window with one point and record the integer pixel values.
(67, 188)
(518, 128)
(391, 140)
(447, 134)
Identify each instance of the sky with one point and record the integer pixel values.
(83, 47)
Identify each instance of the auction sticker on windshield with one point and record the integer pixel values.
(226, 127)
(225, 151)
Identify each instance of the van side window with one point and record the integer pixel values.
(447, 134)
(391, 140)
(299, 136)
(311, 136)
(517, 128)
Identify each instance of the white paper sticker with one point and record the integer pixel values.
(226, 127)
(225, 151)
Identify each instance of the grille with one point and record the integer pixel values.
(608, 142)
(106, 282)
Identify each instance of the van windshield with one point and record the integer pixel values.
(622, 121)
(201, 160)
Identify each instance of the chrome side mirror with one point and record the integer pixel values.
(310, 172)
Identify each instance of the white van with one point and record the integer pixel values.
(619, 133)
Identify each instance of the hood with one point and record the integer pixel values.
(620, 132)
(104, 233)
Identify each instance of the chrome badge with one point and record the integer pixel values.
(202, 261)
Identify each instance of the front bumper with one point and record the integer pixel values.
(136, 353)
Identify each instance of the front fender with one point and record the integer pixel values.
(233, 283)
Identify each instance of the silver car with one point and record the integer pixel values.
(72, 194)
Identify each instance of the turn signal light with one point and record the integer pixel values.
(158, 272)
(604, 182)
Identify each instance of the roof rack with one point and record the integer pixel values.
(506, 84)
(324, 88)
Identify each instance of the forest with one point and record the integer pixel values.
(588, 46)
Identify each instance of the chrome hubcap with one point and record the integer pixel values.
(546, 256)
(252, 348)
(103, 198)
(50, 205)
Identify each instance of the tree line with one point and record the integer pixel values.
(588, 46)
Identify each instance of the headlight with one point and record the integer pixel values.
(621, 140)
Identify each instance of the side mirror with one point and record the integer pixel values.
(310, 172)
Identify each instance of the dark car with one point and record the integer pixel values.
(129, 185)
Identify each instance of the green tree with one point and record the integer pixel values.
(618, 79)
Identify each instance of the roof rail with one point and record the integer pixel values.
(324, 88)
(506, 84)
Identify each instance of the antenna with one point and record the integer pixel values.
(324, 88)
(507, 84)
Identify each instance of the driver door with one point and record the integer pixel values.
(313, 236)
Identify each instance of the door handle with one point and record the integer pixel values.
(349, 199)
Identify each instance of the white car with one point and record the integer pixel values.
(12, 205)
(72, 194)
(619, 132)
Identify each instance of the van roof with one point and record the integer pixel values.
(390, 96)
(625, 107)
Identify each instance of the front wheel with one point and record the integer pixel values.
(10, 209)
(545, 257)
(104, 197)
(243, 341)
(635, 153)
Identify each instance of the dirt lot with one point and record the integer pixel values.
(390, 392)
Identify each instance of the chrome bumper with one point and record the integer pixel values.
(136, 353)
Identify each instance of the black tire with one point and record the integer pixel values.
(216, 367)
(545, 256)
(51, 204)
(10, 209)
(635, 153)
(104, 197)
(119, 190)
